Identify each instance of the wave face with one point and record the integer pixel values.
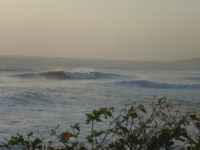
(193, 78)
(152, 84)
(70, 75)
(54, 75)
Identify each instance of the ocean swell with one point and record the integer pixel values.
(70, 75)
(160, 85)
(194, 78)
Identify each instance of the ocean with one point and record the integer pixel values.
(37, 93)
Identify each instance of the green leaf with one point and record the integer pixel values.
(142, 108)
(131, 109)
(37, 141)
(12, 142)
(30, 134)
(98, 120)
(134, 115)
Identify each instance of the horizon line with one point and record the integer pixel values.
(106, 59)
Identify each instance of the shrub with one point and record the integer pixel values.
(134, 128)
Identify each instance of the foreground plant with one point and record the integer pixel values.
(134, 128)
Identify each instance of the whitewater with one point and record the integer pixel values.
(38, 93)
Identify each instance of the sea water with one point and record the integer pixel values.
(38, 93)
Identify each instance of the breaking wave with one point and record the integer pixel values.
(160, 85)
(70, 75)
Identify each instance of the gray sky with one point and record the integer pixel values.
(102, 29)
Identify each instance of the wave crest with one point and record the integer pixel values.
(70, 75)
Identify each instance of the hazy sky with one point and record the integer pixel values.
(108, 29)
